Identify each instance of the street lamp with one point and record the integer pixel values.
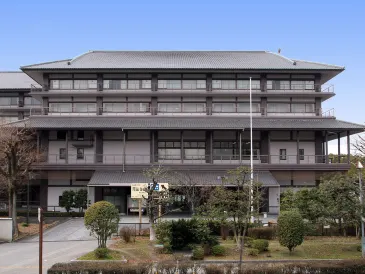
(359, 169)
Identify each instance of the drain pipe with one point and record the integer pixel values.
(123, 170)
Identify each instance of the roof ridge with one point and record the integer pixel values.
(45, 63)
(319, 63)
(11, 71)
(79, 56)
(351, 123)
(95, 51)
(283, 57)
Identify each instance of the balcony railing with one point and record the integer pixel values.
(132, 159)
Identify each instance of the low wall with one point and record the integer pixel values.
(6, 231)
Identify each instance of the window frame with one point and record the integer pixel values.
(301, 154)
(62, 153)
(80, 153)
(282, 154)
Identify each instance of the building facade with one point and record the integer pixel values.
(105, 116)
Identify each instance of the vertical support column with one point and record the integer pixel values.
(99, 82)
(99, 146)
(263, 83)
(209, 104)
(348, 146)
(45, 84)
(209, 82)
(263, 106)
(44, 142)
(318, 106)
(66, 144)
(318, 147)
(326, 140)
(240, 146)
(45, 106)
(268, 145)
(154, 106)
(317, 83)
(208, 147)
(21, 104)
(298, 156)
(182, 155)
(99, 105)
(339, 147)
(154, 147)
(154, 82)
(124, 137)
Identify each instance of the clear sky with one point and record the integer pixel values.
(329, 31)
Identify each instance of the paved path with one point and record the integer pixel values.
(63, 243)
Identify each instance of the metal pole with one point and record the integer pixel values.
(40, 239)
(362, 221)
(140, 215)
(28, 200)
(240, 147)
(251, 152)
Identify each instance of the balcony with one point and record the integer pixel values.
(147, 159)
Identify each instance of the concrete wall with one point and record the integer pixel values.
(291, 152)
(295, 178)
(91, 195)
(112, 152)
(6, 229)
(53, 196)
(137, 152)
(274, 199)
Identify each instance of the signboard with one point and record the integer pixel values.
(138, 190)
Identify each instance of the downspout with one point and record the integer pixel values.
(123, 170)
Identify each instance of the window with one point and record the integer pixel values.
(303, 85)
(169, 107)
(61, 135)
(278, 107)
(80, 153)
(84, 107)
(133, 84)
(114, 107)
(31, 101)
(225, 150)
(169, 84)
(224, 84)
(194, 107)
(85, 84)
(115, 84)
(302, 108)
(194, 84)
(245, 107)
(6, 101)
(278, 84)
(60, 107)
(301, 154)
(138, 107)
(282, 154)
(62, 154)
(224, 107)
(80, 135)
(245, 84)
(146, 84)
(61, 84)
(169, 150)
(194, 150)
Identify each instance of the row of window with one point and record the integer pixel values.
(14, 101)
(290, 108)
(183, 84)
(79, 154)
(283, 155)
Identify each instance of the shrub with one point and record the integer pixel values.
(267, 233)
(163, 232)
(248, 241)
(290, 229)
(311, 230)
(198, 253)
(101, 253)
(81, 199)
(126, 233)
(261, 245)
(218, 250)
(102, 220)
(359, 248)
(253, 252)
(25, 225)
(67, 199)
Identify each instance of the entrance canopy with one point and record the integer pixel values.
(202, 178)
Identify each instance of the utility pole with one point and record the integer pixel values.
(40, 219)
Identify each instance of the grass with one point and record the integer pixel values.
(113, 255)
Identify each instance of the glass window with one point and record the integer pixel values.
(61, 84)
(194, 84)
(31, 101)
(282, 154)
(146, 84)
(62, 154)
(302, 85)
(302, 108)
(216, 84)
(169, 107)
(301, 154)
(114, 107)
(9, 101)
(80, 135)
(169, 150)
(194, 107)
(85, 84)
(278, 84)
(138, 107)
(60, 107)
(55, 84)
(61, 135)
(80, 153)
(84, 107)
(224, 107)
(169, 84)
(245, 84)
(245, 107)
(115, 84)
(228, 84)
(278, 107)
(133, 84)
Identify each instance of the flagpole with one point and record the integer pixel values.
(251, 153)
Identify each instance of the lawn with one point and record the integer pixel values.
(313, 248)
(113, 255)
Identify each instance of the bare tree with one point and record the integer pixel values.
(18, 151)
(360, 145)
(192, 189)
(156, 200)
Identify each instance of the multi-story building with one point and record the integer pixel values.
(107, 115)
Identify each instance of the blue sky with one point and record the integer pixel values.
(324, 31)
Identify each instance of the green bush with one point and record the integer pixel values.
(261, 245)
(311, 230)
(102, 220)
(359, 248)
(253, 252)
(267, 233)
(25, 225)
(290, 229)
(198, 253)
(248, 241)
(101, 253)
(218, 250)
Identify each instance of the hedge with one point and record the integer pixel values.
(114, 267)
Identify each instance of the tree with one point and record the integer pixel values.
(102, 220)
(360, 144)
(234, 202)
(192, 190)
(18, 151)
(290, 229)
(156, 200)
(68, 200)
(81, 199)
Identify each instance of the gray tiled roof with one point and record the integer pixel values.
(15, 80)
(183, 60)
(107, 122)
(119, 178)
